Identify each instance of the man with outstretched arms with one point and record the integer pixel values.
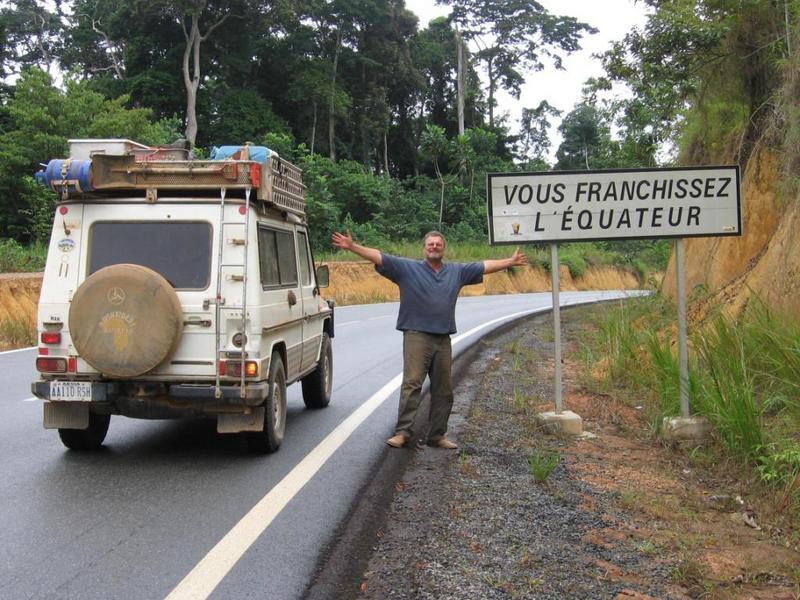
(428, 293)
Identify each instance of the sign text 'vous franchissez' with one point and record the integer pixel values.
(561, 206)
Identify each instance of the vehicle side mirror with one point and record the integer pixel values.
(323, 276)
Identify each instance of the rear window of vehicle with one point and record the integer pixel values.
(179, 251)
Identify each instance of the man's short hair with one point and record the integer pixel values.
(434, 233)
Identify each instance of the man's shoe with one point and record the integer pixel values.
(397, 441)
(443, 443)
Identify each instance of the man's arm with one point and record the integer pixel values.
(345, 241)
(517, 259)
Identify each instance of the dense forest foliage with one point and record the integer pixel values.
(394, 123)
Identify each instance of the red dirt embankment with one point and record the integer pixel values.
(764, 260)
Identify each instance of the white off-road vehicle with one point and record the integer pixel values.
(178, 287)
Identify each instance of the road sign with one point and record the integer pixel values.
(569, 206)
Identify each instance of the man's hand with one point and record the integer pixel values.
(342, 240)
(518, 258)
(345, 242)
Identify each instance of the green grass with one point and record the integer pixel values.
(541, 463)
(727, 390)
(15, 258)
(744, 376)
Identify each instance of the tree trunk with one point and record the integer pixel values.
(191, 73)
(788, 28)
(332, 102)
(314, 127)
(461, 82)
(461, 88)
(492, 84)
(385, 153)
(191, 78)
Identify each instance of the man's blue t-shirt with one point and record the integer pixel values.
(427, 298)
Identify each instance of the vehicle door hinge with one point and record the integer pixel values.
(207, 302)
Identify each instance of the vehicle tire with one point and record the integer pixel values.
(90, 438)
(270, 439)
(125, 320)
(317, 384)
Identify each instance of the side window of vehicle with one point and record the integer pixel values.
(305, 259)
(277, 257)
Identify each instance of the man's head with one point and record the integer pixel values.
(433, 246)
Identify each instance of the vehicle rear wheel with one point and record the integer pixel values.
(270, 439)
(90, 438)
(317, 384)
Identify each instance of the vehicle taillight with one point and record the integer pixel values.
(72, 364)
(48, 364)
(233, 368)
(51, 337)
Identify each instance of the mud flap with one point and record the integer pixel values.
(66, 415)
(234, 423)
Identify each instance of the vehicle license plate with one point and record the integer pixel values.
(71, 391)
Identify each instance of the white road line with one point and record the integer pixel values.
(18, 350)
(209, 572)
(32, 399)
(363, 320)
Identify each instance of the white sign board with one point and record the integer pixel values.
(570, 206)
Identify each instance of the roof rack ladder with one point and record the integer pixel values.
(221, 304)
(243, 328)
(219, 300)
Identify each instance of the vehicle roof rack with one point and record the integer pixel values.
(275, 181)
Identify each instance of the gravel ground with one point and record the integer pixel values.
(474, 524)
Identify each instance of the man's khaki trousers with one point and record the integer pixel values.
(426, 354)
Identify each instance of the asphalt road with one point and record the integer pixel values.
(172, 509)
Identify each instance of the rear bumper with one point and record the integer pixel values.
(194, 395)
(255, 393)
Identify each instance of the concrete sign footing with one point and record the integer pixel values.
(565, 422)
(686, 429)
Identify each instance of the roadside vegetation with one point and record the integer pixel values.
(17, 333)
(645, 258)
(16, 258)
(744, 377)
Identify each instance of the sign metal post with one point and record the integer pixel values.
(555, 269)
(683, 353)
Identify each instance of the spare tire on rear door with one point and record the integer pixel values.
(125, 320)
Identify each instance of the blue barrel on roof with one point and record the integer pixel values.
(257, 153)
(75, 175)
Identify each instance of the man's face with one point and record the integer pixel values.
(434, 248)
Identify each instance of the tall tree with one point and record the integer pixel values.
(189, 14)
(337, 25)
(587, 142)
(534, 140)
(29, 36)
(162, 52)
(512, 36)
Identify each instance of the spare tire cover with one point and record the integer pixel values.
(125, 320)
